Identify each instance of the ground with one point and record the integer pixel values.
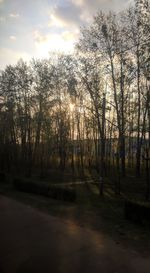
(34, 241)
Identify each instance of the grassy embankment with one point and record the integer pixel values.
(88, 209)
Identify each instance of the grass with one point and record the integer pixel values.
(105, 214)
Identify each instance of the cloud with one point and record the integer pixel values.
(91, 7)
(39, 37)
(70, 36)
(62, 42)
(66, 20)
(75, 13)
(14, 15)
(56, 25)
(68, 15)
(12, 37)
(2, 19)
(8, 17)
(10, 56)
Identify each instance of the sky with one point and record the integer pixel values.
(33, 28)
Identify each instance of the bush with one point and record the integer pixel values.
(58, 193)
(2, 177)
(138, 213)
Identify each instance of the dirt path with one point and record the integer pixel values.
(31, 241)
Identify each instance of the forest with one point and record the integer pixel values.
(84, 115)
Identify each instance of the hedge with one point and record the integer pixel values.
(55, 192)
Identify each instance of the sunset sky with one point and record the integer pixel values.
(33, 28)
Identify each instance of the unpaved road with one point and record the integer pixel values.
(34, 242)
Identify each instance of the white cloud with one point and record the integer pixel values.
(78, 2)
(56, 21)
(70, 35)
(12, 37)
(14, 15)
(9, 16)
(67, 16)
(2, 19)
(65, 19)
(75, 13)
(10, 56)
(90, 8)
(45, 43)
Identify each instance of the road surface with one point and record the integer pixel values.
(35, 242)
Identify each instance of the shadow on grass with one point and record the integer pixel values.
(105, 214)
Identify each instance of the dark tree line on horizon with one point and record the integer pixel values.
(87, 110)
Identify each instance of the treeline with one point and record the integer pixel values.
(90, 109)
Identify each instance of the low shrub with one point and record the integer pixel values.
(55, 192)
(2, 177)
(136, 212)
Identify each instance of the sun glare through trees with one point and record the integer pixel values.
(87, 110)
(75, 136)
